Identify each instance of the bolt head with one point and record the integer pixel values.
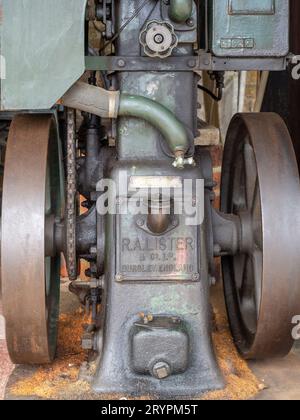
(190, 22)
(119, 277)
(93, 250)
(87, 342)
(192, 63)
(161, 370)
(121, 63)
(140, 222)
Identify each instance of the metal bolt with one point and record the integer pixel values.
(190, 22)
(191, 63)
(87, 342)
(140, 222)
(121, 63)
(179, 162)
(93, 250)
(195, 276)
(190, 161)
(161, 370)
(119, 277)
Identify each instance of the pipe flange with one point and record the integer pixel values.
(158, 39)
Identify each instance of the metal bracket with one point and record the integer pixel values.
(203, 61)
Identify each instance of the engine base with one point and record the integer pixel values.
(157, 327)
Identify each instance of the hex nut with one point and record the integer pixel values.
(161, 370)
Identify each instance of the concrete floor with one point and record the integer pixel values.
(6, 366)
(281, 377)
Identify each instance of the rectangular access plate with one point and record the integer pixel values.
(250, 28)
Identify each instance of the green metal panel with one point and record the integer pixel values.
(42, 45)
(250, 28)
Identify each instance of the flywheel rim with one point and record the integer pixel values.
(32, 177)
(278, 294)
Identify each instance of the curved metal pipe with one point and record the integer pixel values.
(158, 116)
(110, 104)
(180, 10)
(92, 99)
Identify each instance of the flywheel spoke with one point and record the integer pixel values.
(250, 174)
(262, 283)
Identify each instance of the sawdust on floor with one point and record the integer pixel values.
(60, 380)
(61, 377)
(241, 383)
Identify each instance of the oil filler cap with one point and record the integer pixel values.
(158, 39)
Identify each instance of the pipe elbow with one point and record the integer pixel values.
(158, 116)
(112, 104)
(92, 99)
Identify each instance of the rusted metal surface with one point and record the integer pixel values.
(262, 287)
(30, 280)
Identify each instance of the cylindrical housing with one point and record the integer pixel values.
(180, 10)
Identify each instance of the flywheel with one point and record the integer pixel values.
(32, 201)
(260, 184)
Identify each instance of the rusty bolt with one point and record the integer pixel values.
(161, 370)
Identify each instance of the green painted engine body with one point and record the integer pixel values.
(42, 51)
(42, 44)
(249, 28)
